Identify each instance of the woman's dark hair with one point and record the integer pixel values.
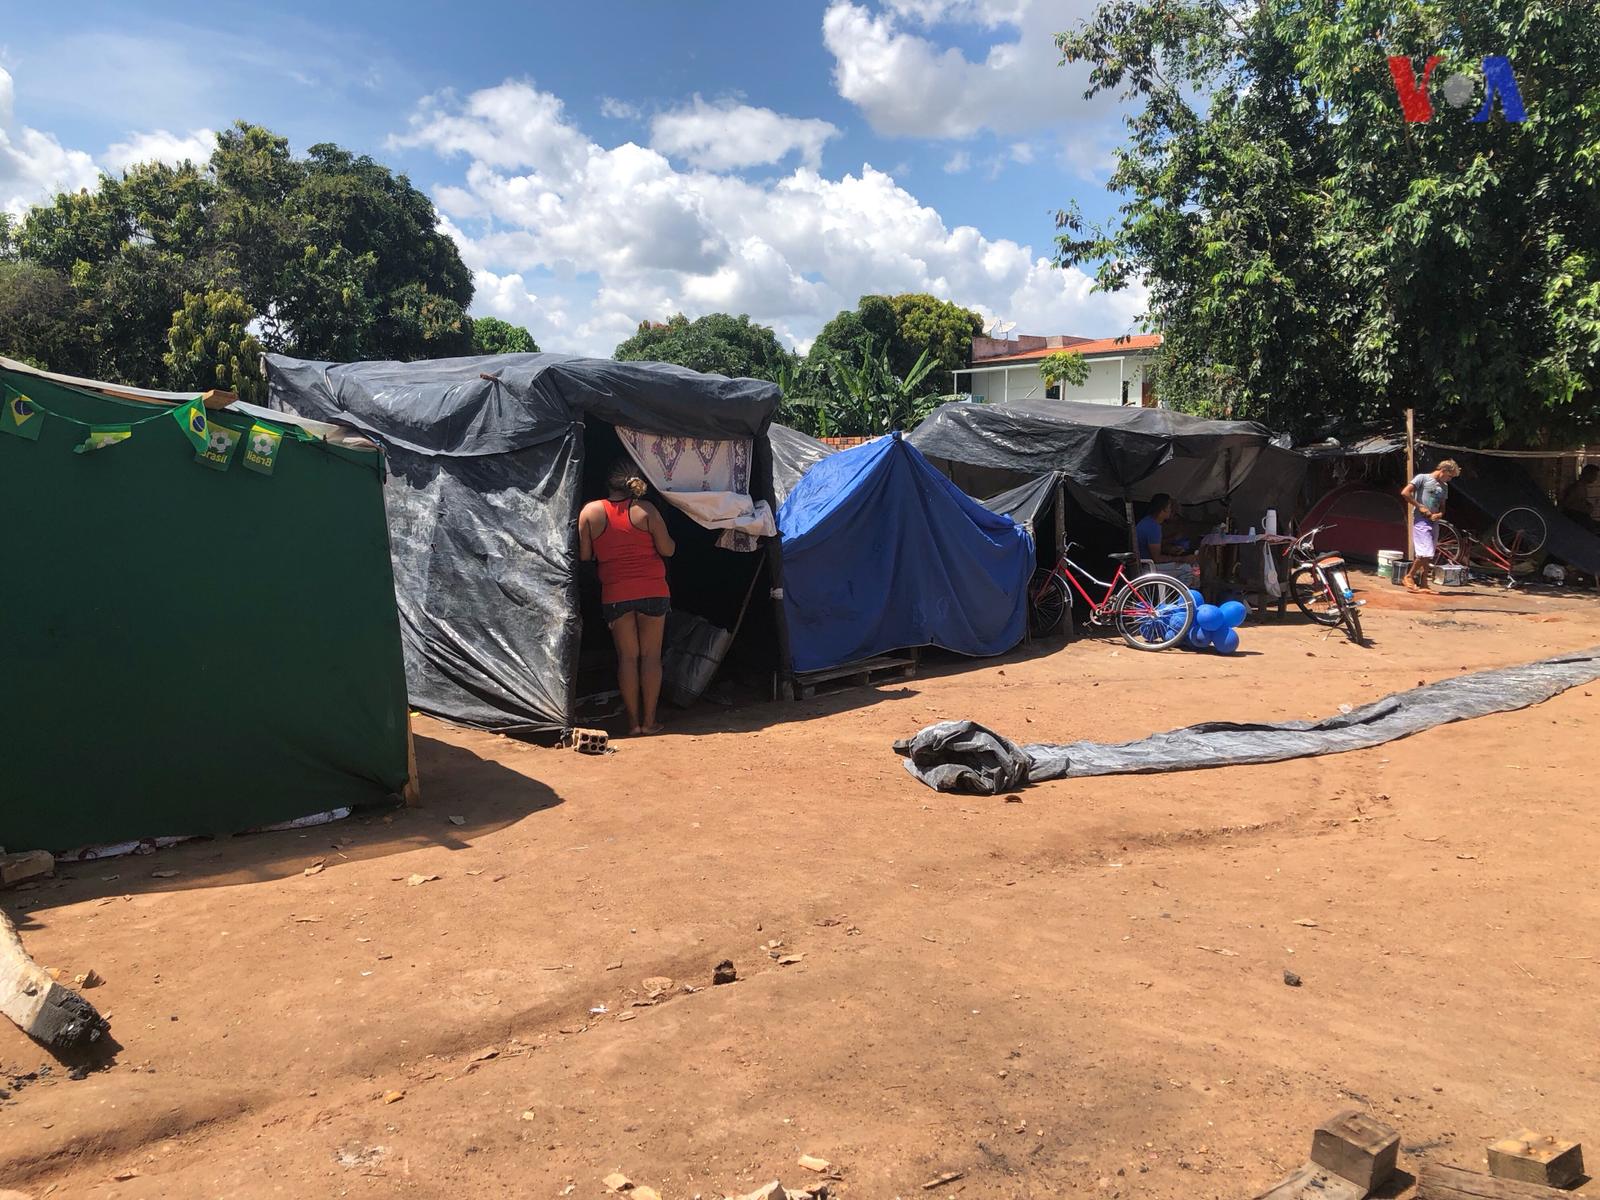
(1158, 503)
(624, 477)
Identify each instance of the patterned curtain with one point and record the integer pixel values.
(707, 479)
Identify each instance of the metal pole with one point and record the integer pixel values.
(1411, 473)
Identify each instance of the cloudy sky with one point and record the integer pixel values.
(618, 160)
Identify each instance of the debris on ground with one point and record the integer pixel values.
(724, 972)
(657, 986)
(1291, 979)
(456, 820)
(415, 880)
(617, 1182)
(940, 1181)
(20, 868)
(1352, 1154)
(393, 1097)
(1541, 1158)
(39, 1005)
(812, 1163)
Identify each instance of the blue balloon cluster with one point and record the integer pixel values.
(1216, 625)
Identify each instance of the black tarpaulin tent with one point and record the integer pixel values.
(1113, 452)
(491, 458)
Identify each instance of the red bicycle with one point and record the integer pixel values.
(1151, 612)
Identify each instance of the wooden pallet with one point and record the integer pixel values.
(867, 671)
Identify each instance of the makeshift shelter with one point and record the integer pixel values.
(1113, 453)
(882, 552)
(201, 628)
(492, 457)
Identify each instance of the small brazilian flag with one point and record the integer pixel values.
(261, 446)
(101, 436)
(218, 454)
(191, 418)
(19, 417)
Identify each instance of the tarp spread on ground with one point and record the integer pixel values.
(488, 462)
(194, 644)
(880, 552)
(963, 756)
(1111, 451)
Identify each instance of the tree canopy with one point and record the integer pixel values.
(718, 343)
(904, 326)
(491, 335)
(328, 256)
(1318, 263)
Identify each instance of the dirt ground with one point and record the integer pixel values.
(1081, 994)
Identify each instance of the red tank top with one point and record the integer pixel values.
(630, 568)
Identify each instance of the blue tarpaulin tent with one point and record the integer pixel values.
(881, 552)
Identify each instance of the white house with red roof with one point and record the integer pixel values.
(1008, 369)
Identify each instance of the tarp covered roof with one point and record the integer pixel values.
(880, 552)
(497, 404)
(1111, 450)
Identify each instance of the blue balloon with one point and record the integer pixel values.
(1198, 638)
(1194, 594)
(1209, 617)
(1233, 614)
(1226, 641)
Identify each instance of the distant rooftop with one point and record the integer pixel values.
(1026, 348)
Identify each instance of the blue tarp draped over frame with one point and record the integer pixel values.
(881, 551)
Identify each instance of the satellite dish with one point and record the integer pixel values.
(1004, 327)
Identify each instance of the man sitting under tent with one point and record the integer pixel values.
(1153, 554)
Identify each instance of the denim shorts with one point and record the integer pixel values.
(650, 606)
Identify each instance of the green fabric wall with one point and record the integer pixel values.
(185, 650)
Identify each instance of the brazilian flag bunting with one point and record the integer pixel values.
(20, 417)
(101, 436)
(191, 418)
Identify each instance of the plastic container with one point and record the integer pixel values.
(1402, 568)
(1450, 575)
(1269, 523)
(1386, 561)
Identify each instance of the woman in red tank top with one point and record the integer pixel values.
(626, 535)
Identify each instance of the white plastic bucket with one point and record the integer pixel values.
(1387, 560)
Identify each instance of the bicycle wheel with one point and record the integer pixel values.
(1520, 532)
(1153, 612)
(1448, 549)
(1314, 597)
(1047, 602)
(1351, 616)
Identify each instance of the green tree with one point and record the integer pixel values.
(41, 320)
(491, 335)
(904, 326)
(339, 256)
(717, 343)
(210, 346)
(1064, 367)
(1314, 260)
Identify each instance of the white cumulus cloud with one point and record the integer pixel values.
(906, 84)
(161, 146)
(727, 135)
(34, 165)
(622, 234)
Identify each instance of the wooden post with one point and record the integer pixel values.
(1133, 535)
(412, 793)
(1411, 472)
(1061, 538)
